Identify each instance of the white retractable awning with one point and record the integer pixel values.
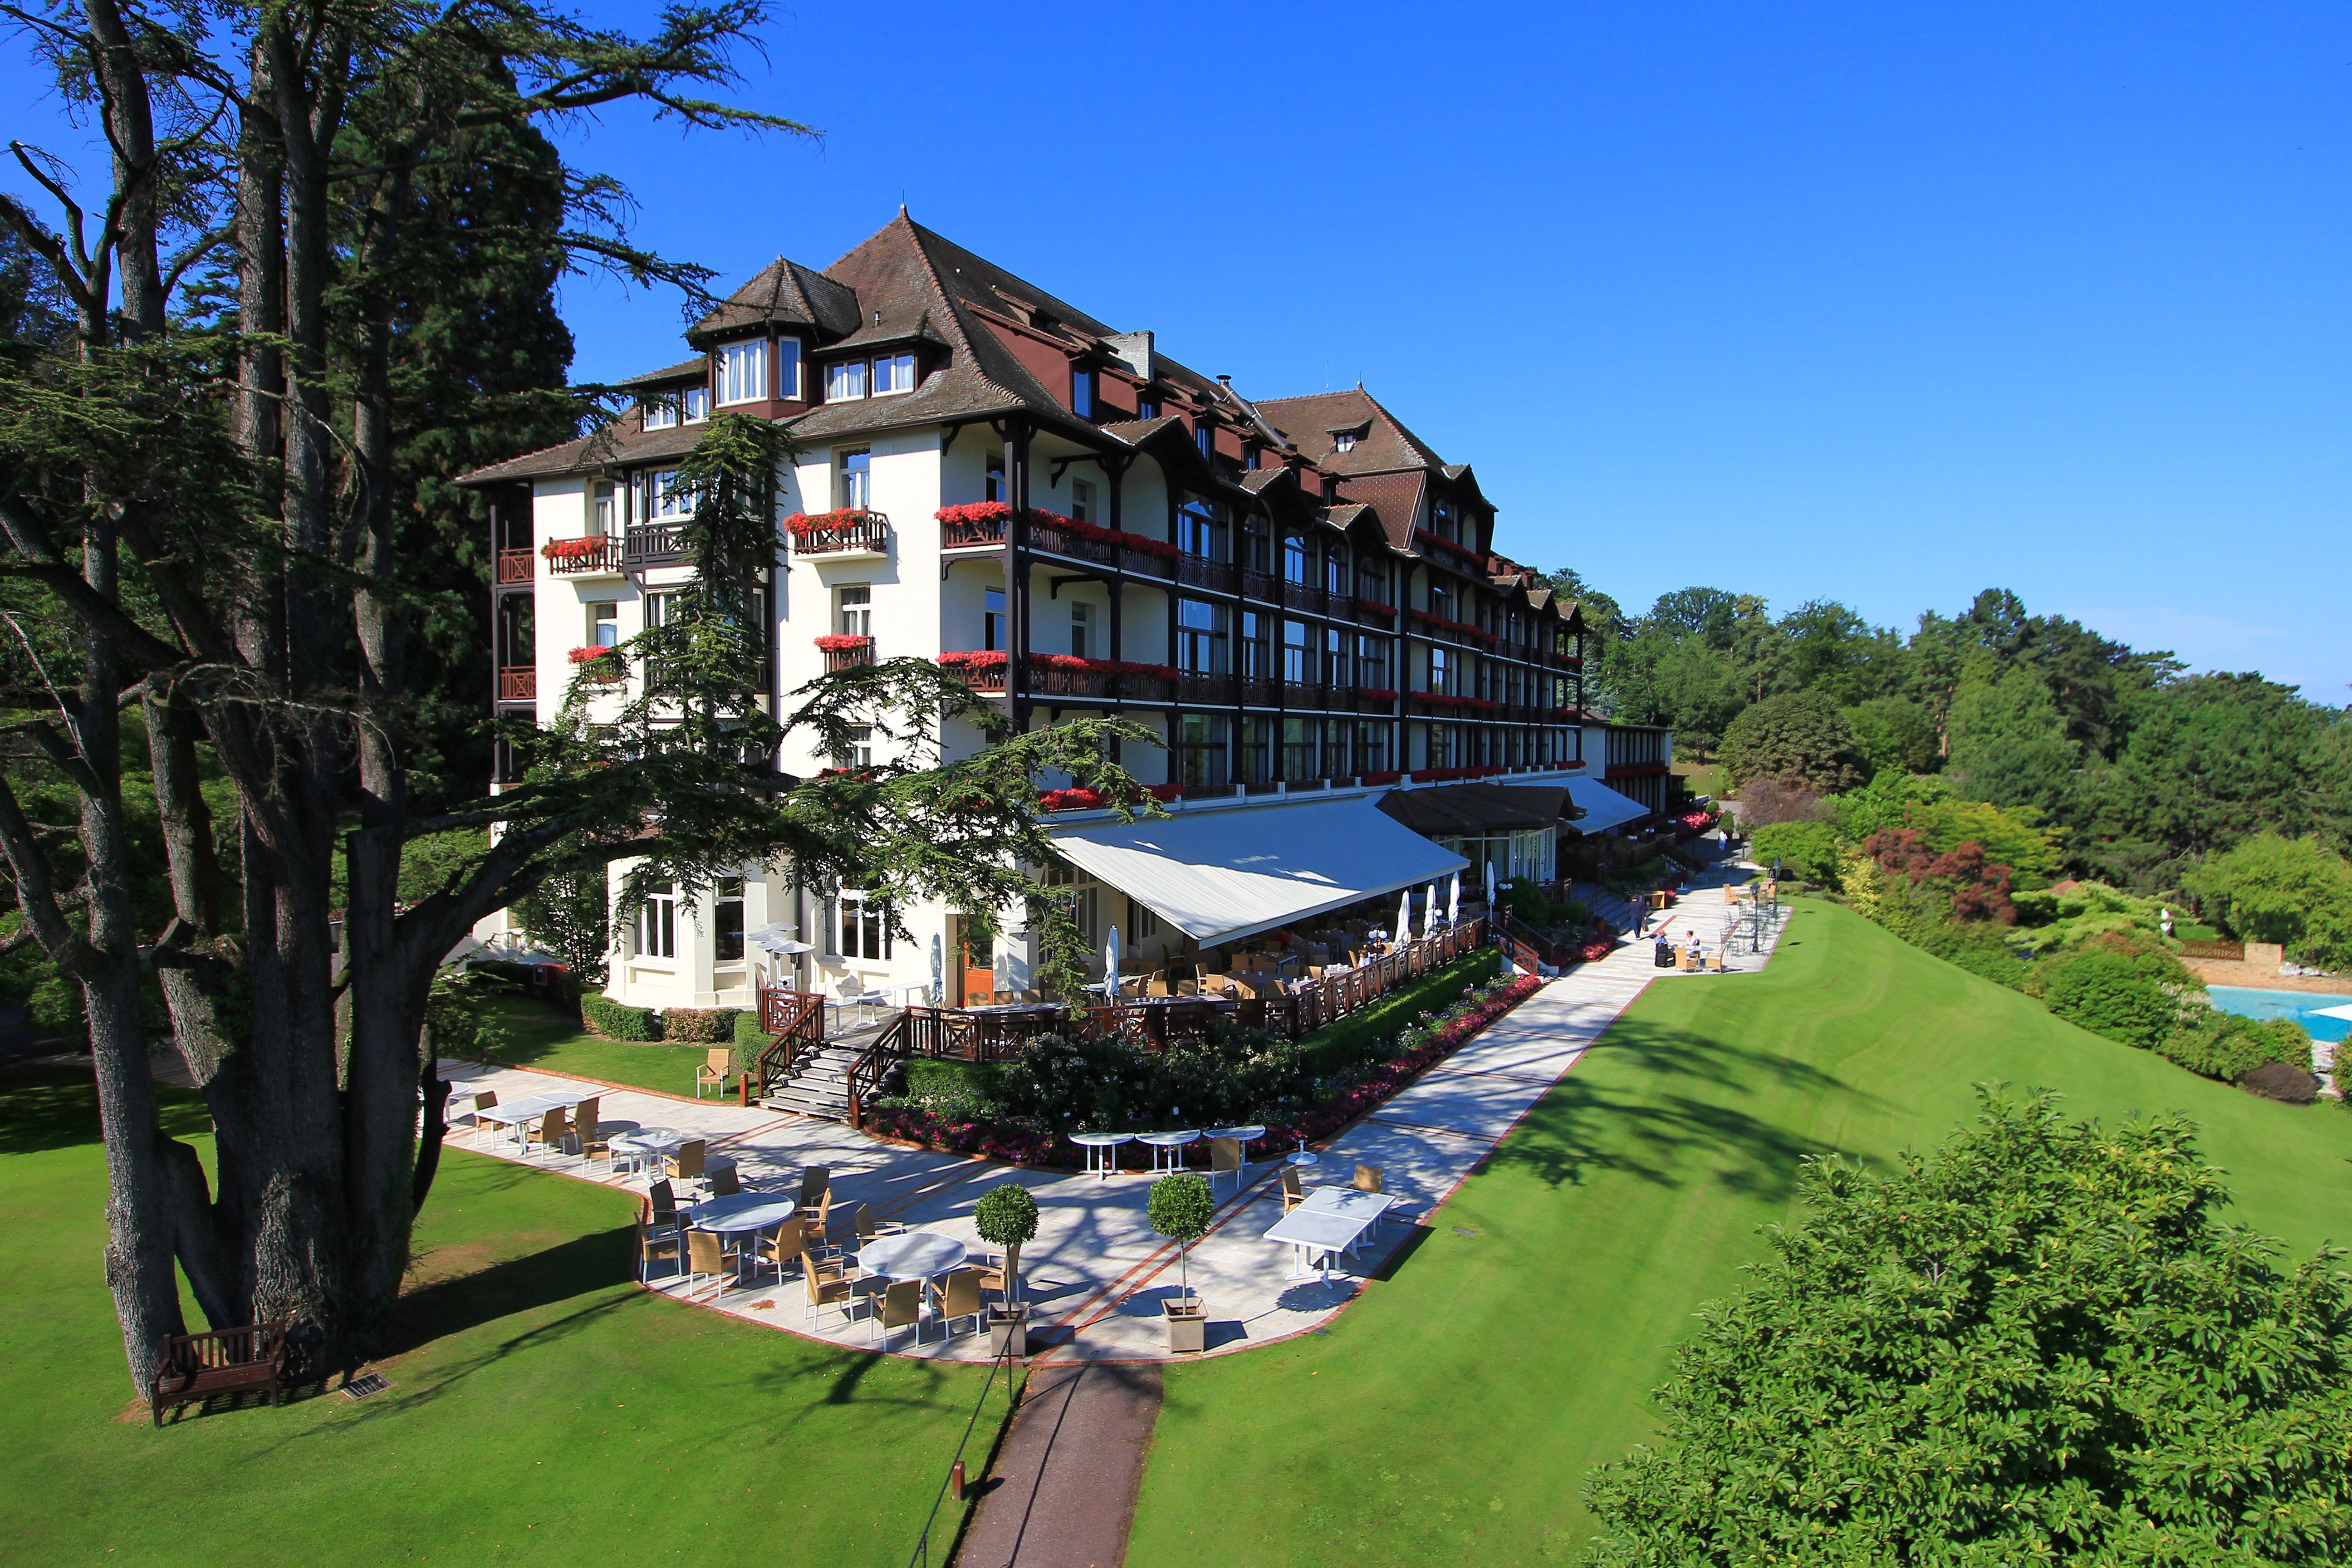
(1230, 872)
(1604, 808)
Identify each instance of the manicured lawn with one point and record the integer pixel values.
(1451, 1415)
(539, 1035)
(545, 1411)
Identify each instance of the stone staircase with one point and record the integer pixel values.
(819, 1085)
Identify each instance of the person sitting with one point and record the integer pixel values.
(1663, 958)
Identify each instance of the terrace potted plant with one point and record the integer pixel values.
(1180, 1209)
(1006, 1216)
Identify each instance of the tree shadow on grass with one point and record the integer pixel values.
(1675, 1120)
(559, 1273)
(44, 1107)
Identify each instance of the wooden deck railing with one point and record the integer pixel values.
(951, 1034)
(795, 1022)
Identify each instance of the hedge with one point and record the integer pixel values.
(698, 1026)
(748, 1035)
(1361, 1033)
(610, 1021)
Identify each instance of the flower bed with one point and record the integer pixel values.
(966, 1135)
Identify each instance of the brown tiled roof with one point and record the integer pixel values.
(785, 293)
(1396, 497)
(697, 365)
(618, 445)
(1385, 447)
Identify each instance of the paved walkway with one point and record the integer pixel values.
(1062, 1491)
(1095, 1274)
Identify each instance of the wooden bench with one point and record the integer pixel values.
(197, 1366)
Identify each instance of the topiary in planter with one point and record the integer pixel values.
(1180, 1209)
(1006, 1216)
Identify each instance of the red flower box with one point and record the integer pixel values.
(591, 655)
(1377, 693)
(1374, 608)
(833, 642)
(978, 660)
(1383, 778)
(1165, 792)
(571, 548)
(802, 524)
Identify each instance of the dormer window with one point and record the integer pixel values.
(660, 413)
(743, 373)
(894, 374)
(1146, 406)
(1082, 392)
(844, 381)
(1344, 442)
(695, 402)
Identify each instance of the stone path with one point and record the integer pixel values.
(1062, 1491)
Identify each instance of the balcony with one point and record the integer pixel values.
(518, 683)
(988, 525)
(849, 533)
(842, 651)
(654, 544)
(1065, 676)
(591, 555)
(515, 566)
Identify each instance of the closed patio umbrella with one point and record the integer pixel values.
(938, 970)
(1110, 965)
(1490, 886)
(1405, 916)
(1453, 901)
(1429, 913)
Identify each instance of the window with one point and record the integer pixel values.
(603, 623)
(992, 620)
(845, 379)
(660, 413)
(856, 485)
(1082, 392)
(788, 367)
(1372, 663)
(1440, 600)
(727, 925)
(657, 922)
(743, 373)
(695, 402)
(859, 754)
(1199, 637)
(1255, 657)
(1255, 552)
(1142, 924)
(1081, 617)
(1345, 441)
(1336, 733)
(1444, 673)
(1334, 570)
(1204, 436)
(1293, 558)
(993, 484)
(1201, 749)
(1082, 500)
(602, 512)
(1334, 657)
(670, 498)
(862, 930)
(1257, 750)
(855, 601)
(894, 374)
(1372, 581)
(1298, 666)
(1298, 736)
(1371, 748)
(1201, 528)
(1146, 407)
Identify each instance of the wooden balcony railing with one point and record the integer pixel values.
(655, 544)
(856, 656)
(516, 566)
(518, 683)
(592, 555)
(838, 533)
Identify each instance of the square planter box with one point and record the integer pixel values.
(1008, 1330)
(1188, 1323)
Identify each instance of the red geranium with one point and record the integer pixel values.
(974, 660)
(835, 642)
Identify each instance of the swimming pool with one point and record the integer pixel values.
(2303, 1006)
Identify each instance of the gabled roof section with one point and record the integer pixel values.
(1395, 497)
(783, 293)
(617, 445)
(684, 370)
(1315, 421)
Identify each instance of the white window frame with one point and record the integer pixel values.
(603, 620)
(854, 488)
(869, 926)
(853, 617)
(657, 922)
(901, 368)
(658, 412)
(838, 377)
(743, 371)
(788, 368)
(667, 500)
(695, 401)
(1081, 628)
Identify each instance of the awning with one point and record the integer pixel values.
(1604, 808)
(1225, 873)
(1472, 810)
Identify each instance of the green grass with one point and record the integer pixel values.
(536, 1034)
(544, 1409)
(1451, 1414)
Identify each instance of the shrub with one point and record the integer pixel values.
(608, 1019)
(1006, 1215)
(2277, 1080)
(748, 1035)
(2106, 993)
(2294, 892)
(1179, 1208)
(2042, 1343)
(1798, 737)
(2227, 1046)
(1809, 849)
(698, 1026)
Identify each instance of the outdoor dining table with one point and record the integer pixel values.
(530, 1107)
(1331, 1220)
(737, 1213)
(1102, 1149)
(645, 1143)
(1168, 1148)
(917, 1255)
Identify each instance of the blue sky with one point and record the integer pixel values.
(1884, 304)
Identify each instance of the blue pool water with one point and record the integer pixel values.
(2303, 1006)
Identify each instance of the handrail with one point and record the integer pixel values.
(795, 1022)
(873, 1064)
(922, 1556)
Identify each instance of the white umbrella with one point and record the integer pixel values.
(1453, 901)
(1429, 913)
(1110, 965)
(1490, 886)
(1404, 916)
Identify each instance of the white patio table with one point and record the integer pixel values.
(1102, 1155)
(1328, 1226)
(1168, 1148)
(918, 1254)
(530, 1107)
(648, 1142)
(737, 1213)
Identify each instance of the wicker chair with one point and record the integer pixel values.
(1293, 1191)
(828, 1285)
(899, 1305)
(958, 1299)
(718, 1065)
